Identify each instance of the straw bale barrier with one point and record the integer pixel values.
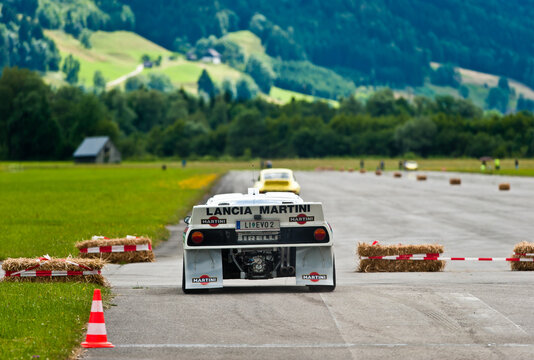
(378, 172)
(421, 177)
(13, 265)
(363, 171)
(397, 174)
(523, 248)
(118, 257)
(341, 169)
(504, 187)
(351, 170)
(380, 265)
(455, 181)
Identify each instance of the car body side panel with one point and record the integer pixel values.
(314, 265)
(203, 269)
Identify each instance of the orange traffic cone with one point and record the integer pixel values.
(96, 330)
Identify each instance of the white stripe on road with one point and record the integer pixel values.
(319, 345)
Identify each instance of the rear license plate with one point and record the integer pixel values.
(257, 225)
(257, 237)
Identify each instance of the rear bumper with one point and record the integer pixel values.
(204, 267)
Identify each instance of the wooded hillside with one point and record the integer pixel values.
(371, 41)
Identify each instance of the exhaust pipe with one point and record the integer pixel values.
(287, 271)
(291, 270)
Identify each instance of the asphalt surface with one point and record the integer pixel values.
(471, 310)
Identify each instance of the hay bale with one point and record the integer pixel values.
(378, 172)
(397, 174)
(19, 264)
(421, 177)
(504, 187)
(118, 257)
(522, 248)
(455, 181)
(363, 171)
(341, 169)
(378, 265)
(351, 170)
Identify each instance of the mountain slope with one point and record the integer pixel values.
(387, 42)
(116, 54)
(113, 53)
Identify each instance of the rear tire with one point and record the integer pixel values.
(325, 288)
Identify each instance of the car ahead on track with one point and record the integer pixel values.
(277, 180)
(257, 236)
(411, 165)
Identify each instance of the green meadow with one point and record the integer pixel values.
(47, 207)
(47, 210)
(44, 320)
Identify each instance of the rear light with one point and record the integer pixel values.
(197, 237)
(319, 234)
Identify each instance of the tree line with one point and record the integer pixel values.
(38, 123)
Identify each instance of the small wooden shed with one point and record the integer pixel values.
(97, 149)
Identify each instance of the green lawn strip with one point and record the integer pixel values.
(48, 210)
(43, 320)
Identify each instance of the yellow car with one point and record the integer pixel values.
(279, 180)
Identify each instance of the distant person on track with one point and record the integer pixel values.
(497, 164)
(184, 162)
(382, 165)
(362, 164)
(516, 164)
(269, 164)
(400, 164)
(483, 166)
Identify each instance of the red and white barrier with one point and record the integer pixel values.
(437, 257)
(31, 272)
(44, 273)
(116, 249)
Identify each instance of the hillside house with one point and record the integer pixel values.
(212, 56)
(97, 149)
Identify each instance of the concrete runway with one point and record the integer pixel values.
(472, 310)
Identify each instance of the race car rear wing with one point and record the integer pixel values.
(235, 216)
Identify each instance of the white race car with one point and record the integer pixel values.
(257, 236)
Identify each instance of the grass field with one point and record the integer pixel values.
(47, 210)
(113, 53)
(43, 320)
(47, 207)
